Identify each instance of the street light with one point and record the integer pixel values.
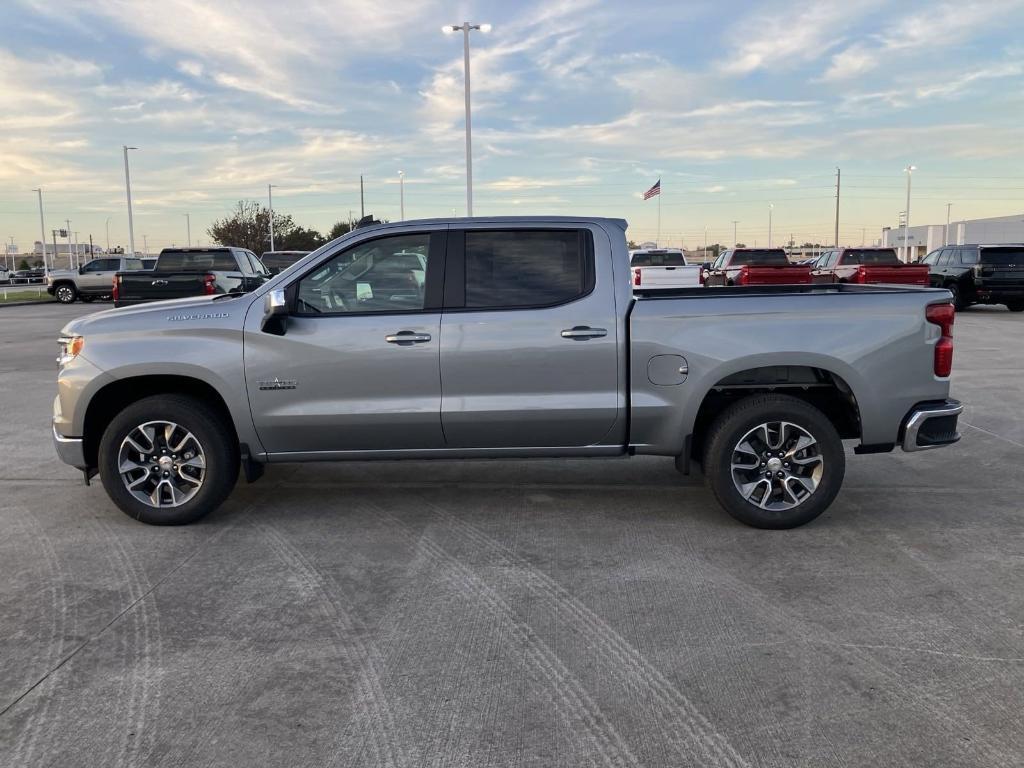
(734, 223)
(771, 207)
(909, 170)
(401, 195)
(128, 193)
(466, 28)
(270, 200)
(42, 231)
(188, 229)
(107, 227)
(945, 237)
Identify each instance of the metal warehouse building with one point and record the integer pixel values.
(926, 238)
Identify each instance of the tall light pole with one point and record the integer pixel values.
(945, 237)
(106, 226)
(401, 195)
(838, 177)
(68, 230)
(270, 201)
(188, 229)
(76, 250)
(466, 28)
(734, 240)
(42, 231)
(128, 193)
(145, 246)
(705, 243)
(771, 207)
(909, 170)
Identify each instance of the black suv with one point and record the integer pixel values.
(979, 274)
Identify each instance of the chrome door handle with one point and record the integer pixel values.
(583, 332)
(407, 337)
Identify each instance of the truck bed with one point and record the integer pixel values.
(711, 292)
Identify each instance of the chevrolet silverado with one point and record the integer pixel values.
(502, 337)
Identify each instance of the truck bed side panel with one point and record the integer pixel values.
(878, 343)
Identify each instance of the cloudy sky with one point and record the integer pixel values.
(579, 106)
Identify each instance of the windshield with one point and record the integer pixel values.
(1003, 257)
(872, 256)
(187, 261)
(658, 259)
(764, 256)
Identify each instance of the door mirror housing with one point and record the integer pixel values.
(275, 312)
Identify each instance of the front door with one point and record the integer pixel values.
(529, 348)
(97, 276)
(357, 367)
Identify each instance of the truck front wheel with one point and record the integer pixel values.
(65, 293)
(168, 460)
(774, 461)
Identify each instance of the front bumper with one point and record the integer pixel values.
(70, 450)
(931, 425)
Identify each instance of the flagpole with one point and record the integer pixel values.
(657, 240)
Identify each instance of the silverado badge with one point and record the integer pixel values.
(277, 384)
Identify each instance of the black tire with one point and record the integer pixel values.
(86, 298)
(216, 441)
(65, 293)
(958, 302)
(1015, 306)
(735, 422)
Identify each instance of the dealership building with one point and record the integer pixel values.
(926, 238)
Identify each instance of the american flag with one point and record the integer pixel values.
(655, 190)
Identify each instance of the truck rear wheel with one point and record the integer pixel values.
(774, 461)
(168, 460)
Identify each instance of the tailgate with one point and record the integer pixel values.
(774, 275)
(154, 286)
(900, 274)
(666, 277)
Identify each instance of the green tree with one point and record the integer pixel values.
(339, 229)
(248, 226)
(299, 239)
(23, 264)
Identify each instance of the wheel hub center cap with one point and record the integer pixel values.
(774, 464)
(165, 463)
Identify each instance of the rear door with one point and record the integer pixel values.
(357, 368)
(529, 347)
(97, 276)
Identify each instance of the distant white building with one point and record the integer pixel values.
(926, 238)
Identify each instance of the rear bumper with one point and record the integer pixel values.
(931, 425)
(70, 450)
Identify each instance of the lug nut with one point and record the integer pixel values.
(786, 464)
(167, 474)
(780, 475)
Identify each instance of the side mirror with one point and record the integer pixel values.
(275, 312)
(81, 270)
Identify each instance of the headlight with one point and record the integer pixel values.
(70, 348)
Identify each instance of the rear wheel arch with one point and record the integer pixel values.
(822, 388)
(114, 397)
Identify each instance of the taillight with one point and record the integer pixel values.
(861, 275)
(209, 284)
(942, 315)
(744, 276)
(636, 277)
(116, 291)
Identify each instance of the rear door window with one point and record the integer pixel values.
(510, 269)
(870, 256)
(1003, 257)
(765, 257)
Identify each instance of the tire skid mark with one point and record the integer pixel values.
(39, 718)
(372, 709)
(681, 722)
(795, 625)
(143, 654)
(576, 707)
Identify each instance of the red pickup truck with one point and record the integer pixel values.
(754, 266)
(866, 265)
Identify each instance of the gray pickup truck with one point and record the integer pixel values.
(502, 337)
(182, 272)
(93, 280)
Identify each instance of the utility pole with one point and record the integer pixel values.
(188, 229)
(838, 176)
(362, 202)
(107, 227)
(734, 240)
(76, 251)
(128, 194)
(90, 246)
(145, 246)
(401, 195)
(705, 243)
(945, 237)
(42, 232)
(54, 233)
(270, 200)
(909, 170)
(771, 207)
(68, 230)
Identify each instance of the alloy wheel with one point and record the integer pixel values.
(777, 465)
(161, 464)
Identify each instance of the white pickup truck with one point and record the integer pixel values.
(657, 268)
